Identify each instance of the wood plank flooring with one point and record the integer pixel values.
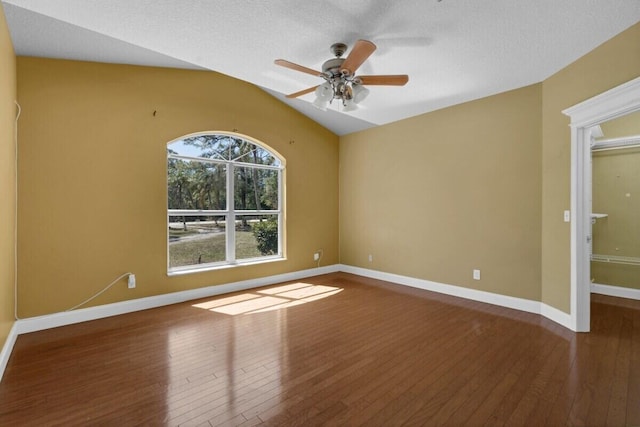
(331, 350)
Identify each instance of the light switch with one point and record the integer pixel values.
(567, 216)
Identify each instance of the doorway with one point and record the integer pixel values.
(585, 120)
(615, 219)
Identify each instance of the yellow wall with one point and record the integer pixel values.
(611, 64)
(92, 174)
(438, 195)
(7, 179)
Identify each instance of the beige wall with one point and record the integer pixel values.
(92, 174)
(628, 125)
(438, 195)
(457, 213)
(611, 64)
(7, 179)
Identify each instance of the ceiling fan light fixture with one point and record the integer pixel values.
(324, 92)
(340, 80)
(346, 92)
(359, 93)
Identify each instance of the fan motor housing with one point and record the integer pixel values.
(332, 66)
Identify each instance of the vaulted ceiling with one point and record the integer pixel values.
(453, 50)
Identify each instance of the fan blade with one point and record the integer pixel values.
(360, 52)
(302, 92)
(391, 80)
(296, 67)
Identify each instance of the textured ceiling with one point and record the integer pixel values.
(453, 50)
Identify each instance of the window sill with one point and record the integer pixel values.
(191, 270)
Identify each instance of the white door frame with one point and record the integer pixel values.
(612, 104)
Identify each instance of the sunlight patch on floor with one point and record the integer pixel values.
(274, 298)
(225, 301)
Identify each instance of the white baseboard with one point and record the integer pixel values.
(521, 304)
(615, 291)
(456, 291)
(64, 318)
(7, 348)
(558, 316)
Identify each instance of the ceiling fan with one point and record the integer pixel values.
(339, 73)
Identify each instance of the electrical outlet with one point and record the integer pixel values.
(476, 274)
(316, 256)
(370, 258)
(132, 281)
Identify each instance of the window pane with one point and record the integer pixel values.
(257, 155)
(199, 201)
(256, 236)
(255, 188)
(196, 240)
(220, 147)
(196, 185)
(223, 147)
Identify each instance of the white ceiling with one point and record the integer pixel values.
(453, 50)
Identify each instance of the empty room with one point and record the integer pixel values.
(319, 213)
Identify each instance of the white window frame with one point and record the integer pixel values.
(230, 213)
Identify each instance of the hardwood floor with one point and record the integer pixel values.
(332, 350)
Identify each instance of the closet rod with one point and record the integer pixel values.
(619, 147)
(616, 259)
(617, 143)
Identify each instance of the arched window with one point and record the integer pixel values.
(224, 202)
